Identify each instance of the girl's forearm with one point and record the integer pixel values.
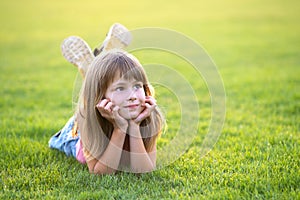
(110, 159)
(141, 161)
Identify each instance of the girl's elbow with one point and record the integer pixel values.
(102, 171)
(98, 168)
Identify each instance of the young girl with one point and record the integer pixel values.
(117, 120)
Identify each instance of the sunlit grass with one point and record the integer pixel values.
(255, 45)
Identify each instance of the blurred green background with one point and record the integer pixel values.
(256, 47)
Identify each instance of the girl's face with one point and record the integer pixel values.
(129, 95)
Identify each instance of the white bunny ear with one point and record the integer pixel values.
(77, 51)
(118, 36)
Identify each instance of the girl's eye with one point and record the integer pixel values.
(118, 89)
(137, 86)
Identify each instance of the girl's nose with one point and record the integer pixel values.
(132, 96)
(132, 99)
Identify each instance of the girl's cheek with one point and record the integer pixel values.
(142, 96)
(116, 100)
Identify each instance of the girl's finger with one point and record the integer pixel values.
(103, 103)
(151, 98)
(144, 114)
(116, 108)
(108, 106)
(139, 118)
(151, 101)
(149, 106)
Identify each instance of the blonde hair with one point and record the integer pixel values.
(95, 130)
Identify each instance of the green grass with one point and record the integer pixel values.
(256, 46)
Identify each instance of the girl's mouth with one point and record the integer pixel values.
(132, 106)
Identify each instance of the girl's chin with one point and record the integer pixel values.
(129, 115)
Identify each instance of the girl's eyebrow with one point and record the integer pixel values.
(136, 81)
(124, 82)
(120, 83)
(113, 86)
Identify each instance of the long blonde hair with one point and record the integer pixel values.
(95, 130)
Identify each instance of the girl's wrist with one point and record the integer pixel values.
(134, 129)
(121, 129)
(132, 123)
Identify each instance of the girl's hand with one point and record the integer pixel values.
(111, 113)
(150, 104)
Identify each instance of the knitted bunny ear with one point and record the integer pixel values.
(77, 51)
(118, 36)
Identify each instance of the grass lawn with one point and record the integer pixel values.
(256, 47)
